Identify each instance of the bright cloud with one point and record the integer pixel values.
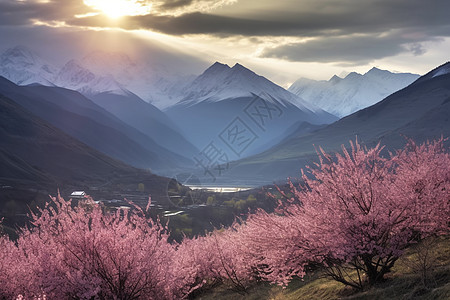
(119, 8)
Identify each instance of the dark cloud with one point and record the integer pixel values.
(58, 45)
(342, 30)
(192, 23)
(13, 12)
(170, 4)
(307, 18)
(184, 6)
(345, 18)
(358, 50)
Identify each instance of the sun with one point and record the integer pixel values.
(119, 8)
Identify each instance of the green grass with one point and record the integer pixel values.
(404, 282)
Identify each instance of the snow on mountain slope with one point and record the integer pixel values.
(98, 72)
(225, 102)
(443, 70)
(343, 96)
(22, 66)
(420, 112)
(150, 81)
(76, 77)
(439, 71)
(220, 82)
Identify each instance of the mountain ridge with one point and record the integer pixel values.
(224, 102)
(81, 118)
(220, 81)
(418, 111)
(343, 96)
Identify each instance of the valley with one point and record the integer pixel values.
(229, 128)
(222, 152)
(227, 149)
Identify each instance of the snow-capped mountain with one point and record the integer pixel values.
(224, 102)
(150, 81)
(76, 77)
(420, 111)
(97, 72)
(22, 66)
(221, 82)
(343, 96)
(95, 78)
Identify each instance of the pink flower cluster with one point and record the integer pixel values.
(357, 210)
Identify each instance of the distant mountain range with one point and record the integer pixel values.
(220, 82)
(22, 66)
(240, 111)
(343, 96)
(81, 118)
(116, 73)
(97, 72)
(420, 111)
(105, 78)
(227, 116)
(36, 154)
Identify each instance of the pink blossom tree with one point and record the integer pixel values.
(8, 256)
(269, 245)
(80, 252)
(355, 213)
(218, 257)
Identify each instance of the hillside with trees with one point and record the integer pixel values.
(353, 216)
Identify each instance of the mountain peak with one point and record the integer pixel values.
(22, 66)
(72, 64)
(218, 66)
(238, 68)
(73, 74)
(19, 51)
(20, 54)
(335, 79)
(353, 75)
(376, 71)
(220, 82)
(343, 96)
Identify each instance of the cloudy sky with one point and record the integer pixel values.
(282, 40)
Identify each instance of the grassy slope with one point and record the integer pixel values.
(402, 283)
